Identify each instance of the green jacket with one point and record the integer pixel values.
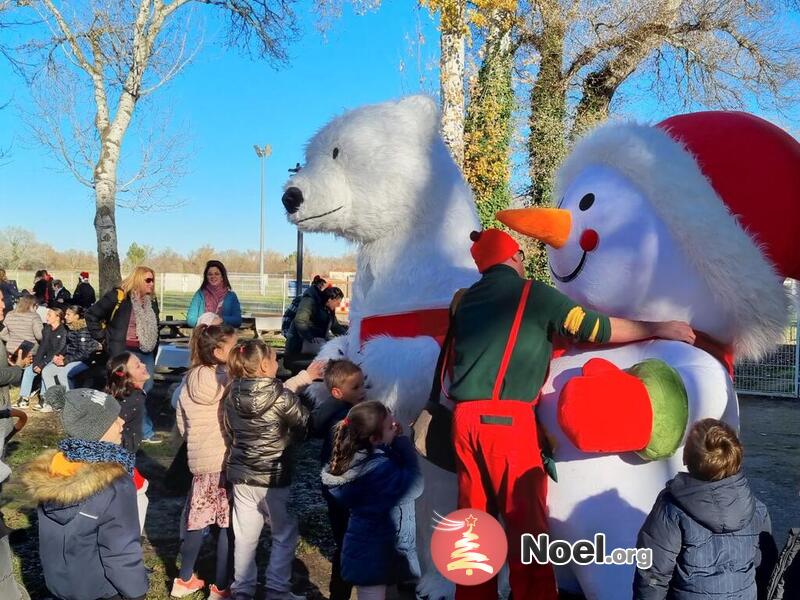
(482, 324)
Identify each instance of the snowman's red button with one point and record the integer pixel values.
(589, 240)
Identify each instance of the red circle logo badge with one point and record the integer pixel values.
(468, 546)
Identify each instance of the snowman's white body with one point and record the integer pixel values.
(637, 271)
(613, 493)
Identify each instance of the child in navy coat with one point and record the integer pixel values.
(374, 473)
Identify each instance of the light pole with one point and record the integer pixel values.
(299, 258)
(263, 154)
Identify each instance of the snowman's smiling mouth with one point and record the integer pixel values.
(574, 273)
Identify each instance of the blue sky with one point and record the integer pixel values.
(227, 103)
(223, 104)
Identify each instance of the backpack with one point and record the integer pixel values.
(289, 315)
(784, 583)
(120, 298)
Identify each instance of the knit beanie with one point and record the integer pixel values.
(86, 414)
(491, 247)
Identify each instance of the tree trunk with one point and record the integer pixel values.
(487, 129)
(451, 66)
(105, 226)
(546, 143)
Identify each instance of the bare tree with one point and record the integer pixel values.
(575, 55)
(111, 57)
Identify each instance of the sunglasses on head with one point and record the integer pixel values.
(149, 280)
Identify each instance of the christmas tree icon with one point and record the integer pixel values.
(465, 556)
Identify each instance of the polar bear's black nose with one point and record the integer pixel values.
(292, 199)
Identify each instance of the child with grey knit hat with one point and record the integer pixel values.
(87, 507)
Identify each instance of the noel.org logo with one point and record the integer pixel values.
(468, 546)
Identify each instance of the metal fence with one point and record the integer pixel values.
(777, 373)
(267, 295)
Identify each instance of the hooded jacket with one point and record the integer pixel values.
(80, 343)
(53, 342)
(707, 539)
(379, 489)
(199, 419)
(264, 420)
(88, 529)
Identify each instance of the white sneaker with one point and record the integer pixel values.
(46, 408)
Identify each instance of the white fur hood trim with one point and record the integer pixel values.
(742, 280)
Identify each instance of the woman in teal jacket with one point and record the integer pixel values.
(215, 295)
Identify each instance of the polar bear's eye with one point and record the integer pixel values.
(335, 153)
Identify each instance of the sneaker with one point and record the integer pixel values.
(181, 588)
(218, 594)
(45, 408)
(23, 403)
(151, 440)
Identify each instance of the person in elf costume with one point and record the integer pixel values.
(503, 328)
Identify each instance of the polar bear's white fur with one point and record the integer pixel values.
(382, 177)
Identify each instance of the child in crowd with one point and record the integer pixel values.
(89, 542)
(126, 377)
(708, 534)
(80, 346)
(54, 340)
(265, 420)
(345, 383)
(374, 473)
(22, 324)
(199, 419)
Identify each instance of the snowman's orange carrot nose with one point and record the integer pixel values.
(549, 225)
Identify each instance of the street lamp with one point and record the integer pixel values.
(299, 258)
(263, 154)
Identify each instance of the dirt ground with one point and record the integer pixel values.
(770, 434)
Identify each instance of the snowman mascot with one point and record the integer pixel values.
(693, 219)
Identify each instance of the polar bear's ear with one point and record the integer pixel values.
(423, 108)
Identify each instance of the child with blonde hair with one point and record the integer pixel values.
(266, 420)
(200, 420)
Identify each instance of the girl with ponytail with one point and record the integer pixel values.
(374, 473)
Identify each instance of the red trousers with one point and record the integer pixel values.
(499, 468)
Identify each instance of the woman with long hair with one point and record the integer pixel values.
(22, 324)
(215, 296)
(126, 320)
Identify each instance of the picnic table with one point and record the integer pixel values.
(174, 327)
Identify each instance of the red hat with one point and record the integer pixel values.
(85, 274)
(491, 247)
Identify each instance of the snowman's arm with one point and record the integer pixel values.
(661, 535)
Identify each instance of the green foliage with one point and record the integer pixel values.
(136, 255)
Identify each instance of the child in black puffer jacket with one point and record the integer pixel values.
(265, 420)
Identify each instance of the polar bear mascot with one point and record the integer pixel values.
(382, 177)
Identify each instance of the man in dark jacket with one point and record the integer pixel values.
(708, 535)
(84, 294)
(89, 538)
(61, 295)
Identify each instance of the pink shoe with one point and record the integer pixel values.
(181, 588)
(218, 594)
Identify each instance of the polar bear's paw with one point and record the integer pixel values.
(432, 586)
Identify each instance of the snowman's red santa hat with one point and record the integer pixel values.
(727, 185)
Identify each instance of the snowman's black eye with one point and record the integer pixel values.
(335, 153)
(586, 202)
